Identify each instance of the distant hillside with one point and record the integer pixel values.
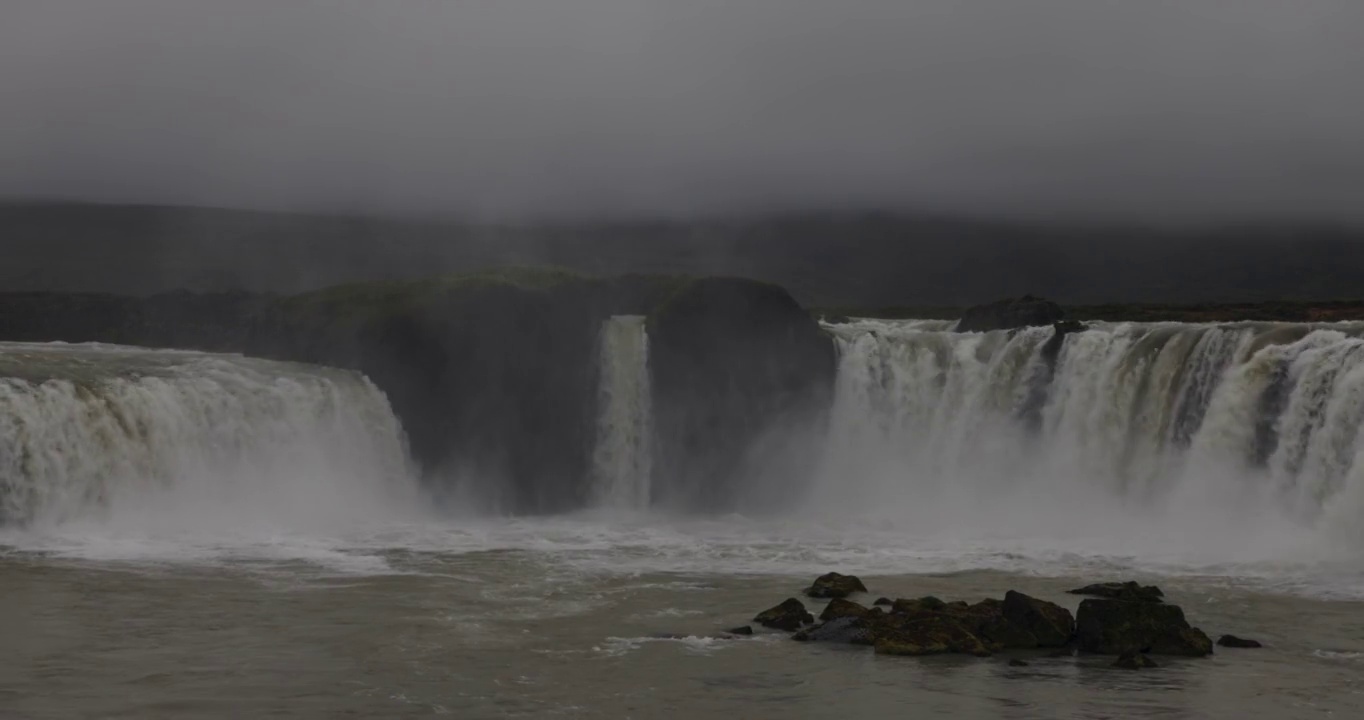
(827, 260)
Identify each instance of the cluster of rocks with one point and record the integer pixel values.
(1126, 620)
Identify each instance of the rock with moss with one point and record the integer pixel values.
(1028, 622)
(789, 615)
(1231, 641)
(844, 630)
(927, 635)
(1051, 624)
(1130, 590)
(1133, 660)
(1113, 627)
(917, 606)
(838, 607)
(835, 585)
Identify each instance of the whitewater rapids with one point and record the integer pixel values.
(160, 438)
(1212, 443)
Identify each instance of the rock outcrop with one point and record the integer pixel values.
(839, 608)
(931, 626)
(842, 630)
(1050, 624)
(1231, 641)
(742, 376)
(494, 374)
(1026, 311)
(1113, 627)
(926, 635)
(834, 585)
(789, 615)
(1129, 629)
(1130, 590)
(1134, 660)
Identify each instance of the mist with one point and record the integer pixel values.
(1156, 111)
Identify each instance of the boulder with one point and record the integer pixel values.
(916, 606)
(1134, 660)
(1015, 662)
(789, 615)
(1113, 627)
(839, 608)
(1129, 590)
(834, 585)
(847, 630)
(883, 601)
(735, 363)
(1232, 641)
(741, 630)
(1026, 311)
(1051, 624)
(929, 635)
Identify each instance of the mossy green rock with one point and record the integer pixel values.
(838, 608)
(1134, 661)
(834, 585)
(1051, 624)
(930, 635)
(1130, 590)
(845, 630)
(789, 615)
(1113, 627)
(917, 606)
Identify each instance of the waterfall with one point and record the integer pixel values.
(1166, 417)
(622, 460)
(91, 431)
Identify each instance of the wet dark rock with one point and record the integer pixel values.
(834, 585)
(1129, 590)
(1052, 348)
(1134, 660)
(741, 630)
(838, 608)
(916, 606)
(731, 361)
(1015, 662)
(928, 635)
(1113, 627)
(883, 601)
(1026, 311)
(847, 630)
(1051, 624)
(789, 615)
(1232, 641)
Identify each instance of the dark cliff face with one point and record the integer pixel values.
(740, 373)
(495, 376)
(1026, 311)
(216, 322)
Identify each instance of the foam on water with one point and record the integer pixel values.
(110, 453)
(1170, 450)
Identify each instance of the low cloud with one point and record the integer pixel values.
(1153, 110)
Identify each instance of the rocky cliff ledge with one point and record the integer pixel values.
(494, 375)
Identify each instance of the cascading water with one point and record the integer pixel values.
(91, 432)
(1240, 425)
(622, 461)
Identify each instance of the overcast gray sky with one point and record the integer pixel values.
(1155, 109)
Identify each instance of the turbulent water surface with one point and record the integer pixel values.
(203, 536)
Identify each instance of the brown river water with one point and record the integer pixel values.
(581, 618)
